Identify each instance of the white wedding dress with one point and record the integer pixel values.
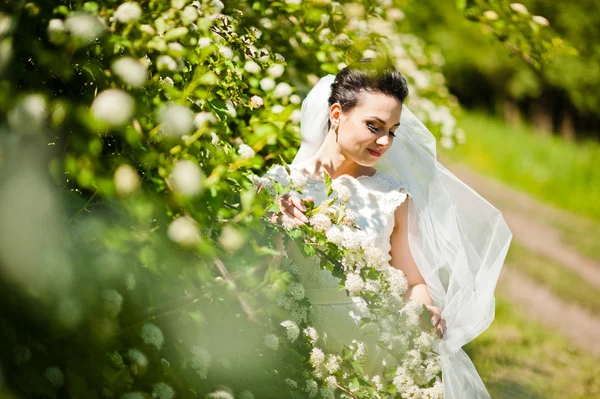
(333, 313)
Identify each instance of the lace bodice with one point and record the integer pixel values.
(373, 202)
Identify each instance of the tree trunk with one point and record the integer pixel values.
(541, 116)
(512, 113)
(567, 127)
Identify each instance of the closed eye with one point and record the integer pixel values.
(375, 130)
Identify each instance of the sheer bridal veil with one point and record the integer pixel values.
(458, 239)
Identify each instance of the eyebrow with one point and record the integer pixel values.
(382, 121)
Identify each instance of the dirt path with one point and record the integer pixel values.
(533, 225)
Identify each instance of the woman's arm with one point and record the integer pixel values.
(402, 259)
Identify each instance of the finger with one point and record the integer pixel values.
(297, 202)
(309, 199)
(434, 320)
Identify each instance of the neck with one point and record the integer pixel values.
(329, 158)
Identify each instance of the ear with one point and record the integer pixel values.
(335, 113)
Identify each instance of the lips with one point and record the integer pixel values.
(376, 154)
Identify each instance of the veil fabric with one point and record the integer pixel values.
(458, 240)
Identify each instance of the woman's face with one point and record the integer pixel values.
(367, 131)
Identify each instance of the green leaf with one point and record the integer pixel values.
(328, 184)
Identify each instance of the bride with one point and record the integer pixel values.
(447, 240)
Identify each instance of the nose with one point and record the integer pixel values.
(383, 141)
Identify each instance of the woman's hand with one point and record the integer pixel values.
(292, 207)
(437, 320)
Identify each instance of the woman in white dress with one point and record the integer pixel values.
(447, 240)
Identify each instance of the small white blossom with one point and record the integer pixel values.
(256, 101)
(353, 240)
(184, 231)
(130, 71)
(246, 151)
(148, 29)
(395, 14)
(166, 63)
(320, 222)
(295, 116)
(331, 382)
(220, 394)
(231, 239)
(267, 84)
(114, 107)
(84, 27)
(251, 67)
(203, 118)
(335, 235)
(189, 15)
(490, 15)
(292, 330)
(354, 283)
(204, 42)
(332, 364)
(214, 138)
(128, 12)
(276, 70)
(295, 99)
(271, 341)
(312, 334)
(298, 179)
(175, 49)
(291, 383)
(56, 31)
(176, 120)
(342, 191)
(226, 51)
(282, 90)
(520, 8)
(538, 19)
(277, 108)
(126, 180)
(317, 357)
(230, 108)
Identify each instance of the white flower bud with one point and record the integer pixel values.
(246, 151)
(538, 19)
(267, 84)
(56, 31)
(176, 120)
(251, 67)
(113, 107)
(204, 42)
(187, 177)
(184, 231)
(520, 8)
(130, 71)
(282, 90)
(256, 101)
(276, 70)
(85, 27)
(226, 51)
(189, 15)
(128, 12)
(166, 63)
(126, 180)
(490, 15)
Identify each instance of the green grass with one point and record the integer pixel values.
(563, 282)
(556, 171)
(519, 359)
